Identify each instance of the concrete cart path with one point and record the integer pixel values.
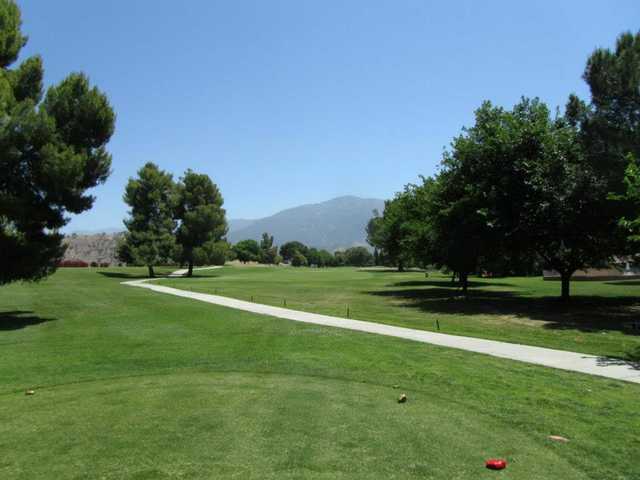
(575, 362)
(184, 271)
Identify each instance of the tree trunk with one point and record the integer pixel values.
(565, 278)
(464, 282)
(190, 271)
(151, 272)
(400, 266)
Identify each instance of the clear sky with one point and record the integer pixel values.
(291, 102)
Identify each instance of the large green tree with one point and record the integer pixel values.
(289, 249)
(632, 224)
(201, 216)
(358, 257)
(52, 150)
(247, 250)
(150, 239)
(609, 128)
(525, 185)
(611, 123)
(388, 232)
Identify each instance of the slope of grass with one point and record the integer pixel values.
(134, 384)
(603, 318)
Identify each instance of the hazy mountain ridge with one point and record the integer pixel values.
(334, 224)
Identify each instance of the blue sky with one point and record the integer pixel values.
(291, 102)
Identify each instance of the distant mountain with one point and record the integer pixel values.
(334, 224)
(238, 223)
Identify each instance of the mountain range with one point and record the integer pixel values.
(332, 225)
(335, 224)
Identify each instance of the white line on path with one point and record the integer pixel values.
(575, 362)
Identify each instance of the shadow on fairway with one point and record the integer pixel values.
(390, 270)
(137, 276)
(17, 319)
(584, 313)
(447, 284)
(124, 275)
(624, 283)
(632, 360)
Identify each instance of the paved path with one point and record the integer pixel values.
(575, 362)
(184, 271)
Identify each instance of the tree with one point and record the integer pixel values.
(519, 182)
(211, 253)
(52, 150)
(150, 226)
(610, 128)
(289, 249)
(632, 194)
(388, 232)
(299, 260)
(202, 218)
(375, 231)
(268, 253)
(610, 125)
(358, 257)
(247, 251)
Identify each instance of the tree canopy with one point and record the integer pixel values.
(52, 150)
(247, 251)
(201, 216)
(288, 250)
(150, 239)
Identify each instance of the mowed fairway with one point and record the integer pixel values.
(134, 384)
(603, 318)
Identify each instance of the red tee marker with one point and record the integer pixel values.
(495, 464)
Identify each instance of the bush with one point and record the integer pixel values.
(211, 253)
(299, 260)
(247, 251)
(358, 257)
(73, 263)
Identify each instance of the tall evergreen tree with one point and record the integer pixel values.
(202, 218)
(52, 150)
(149, 239)
(268, 252)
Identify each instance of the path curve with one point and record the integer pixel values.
(560, 359)
(182, 272)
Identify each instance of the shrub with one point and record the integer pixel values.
(73, 263)
(299, 260)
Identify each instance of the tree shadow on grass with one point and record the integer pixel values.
(632, 359)
(583, 313)
(18, 319)
(124, 275)
(624, 283)
(137, 276)
(390, 270)
(447, 284)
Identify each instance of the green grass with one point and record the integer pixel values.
(599, 319)
(138, 385)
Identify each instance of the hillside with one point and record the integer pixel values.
(334, 224)
(99, 247)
